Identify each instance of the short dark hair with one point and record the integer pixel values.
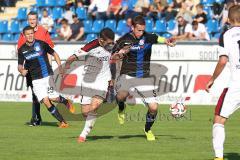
(45, 10)
(138, 20)
(194, 23)
(74, 16)
(107, 33)
(199, 6)
(64, 21)
(234, 13)
(27, 28)
(32, 13)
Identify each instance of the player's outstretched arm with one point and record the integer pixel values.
(22, 70)
(218, 70)
(170, 42)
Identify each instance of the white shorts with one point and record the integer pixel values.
(228, 102)
(98, 88)
(44, 87)
(138, 85)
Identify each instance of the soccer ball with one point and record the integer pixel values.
(178, 109)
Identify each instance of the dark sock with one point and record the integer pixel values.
(121, 106)
(36, 112)
(63, 100)
(54, 111)
(150, 118)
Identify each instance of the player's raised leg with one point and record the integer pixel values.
(89, 111)
(150, 119)
(65, 101)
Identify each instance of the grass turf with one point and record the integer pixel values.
(185, 139)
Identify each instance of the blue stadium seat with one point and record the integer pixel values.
(23, 24)
(57, 13)
(81, 12)
(112, 24)
(160, 26)
(212, 26)
(87, 26)
(61, 3)
(7, 37)
(50, 3)
(220, 1)
(54, 35)
(171, 25)
(122, 27)
(34, 9)
(169, 1)
(22, 13)
(15, 26)
(207, 2)
(97, 26)
(16, 37)
(90, 37)
(149, 25)
(216, 35)
(167, 35)
(209, 11)
(40, 3)
(4, 26)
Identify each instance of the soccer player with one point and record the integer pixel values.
(136, 64)
(229, 100)
(97, 76)
(41, 34)
(34, 53)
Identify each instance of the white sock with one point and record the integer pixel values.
(90, 121)
(218, 139)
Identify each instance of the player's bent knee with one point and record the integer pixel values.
(153, 108)
(47, 102)
(121, 96)
(220, 119)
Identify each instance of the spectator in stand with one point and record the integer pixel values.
(177, 4)
(170, 13)
(182, 30)
(127, 9)
(114, 9)
(98, 9)
(199, 32)
(80, 4)
(68, 15)
(47, 21)
(185, 13)
(65, 32)
(70, 3)
(155, 10)
(141, 7)
(77, 29)
(201, 16)
(225, 14)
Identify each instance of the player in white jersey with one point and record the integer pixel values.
(229, 101)
(97, 76)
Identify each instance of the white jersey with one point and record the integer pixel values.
(97, 62)
(230, 46)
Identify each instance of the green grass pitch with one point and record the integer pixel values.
(186, 139)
